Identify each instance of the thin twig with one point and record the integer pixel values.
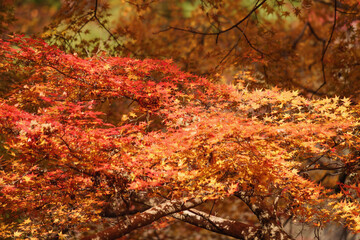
(326, 48)
(297, 40)
(314, 33)
(249, 43)
(212, 208)
(219, 32)
(235, 45)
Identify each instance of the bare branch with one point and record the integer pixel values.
(220, 225)
(249, 43)
(222, 31)
(326, 48)
(297, 40)
(144, 218)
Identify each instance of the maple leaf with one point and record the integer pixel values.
(17, 233)
(27, 221)
(297, 11)
(62, 236)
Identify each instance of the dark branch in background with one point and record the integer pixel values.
(236, 44)
(325, 167)
(297, 40)
(219, 32)
(102, 24)
(323, 41)
(326, 47)
(308, 90)
(287, 220)
(95, 17)
(229, 52)
(345, 8)
(107, 30)
(252, 46)
(314, 33)
(96, 7)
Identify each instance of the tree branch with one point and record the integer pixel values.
(207, 221)
(297, 40)
(144, 218)
(326, 48)
(249, 43)
(223, 226)
(222, 31)
(270, 224)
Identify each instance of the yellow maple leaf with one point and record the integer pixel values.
(17, 234)
(62, 236)
(346, 101)
(27, 221)
(232, 188)
(124, 117)
(27, 178)
(107, 66)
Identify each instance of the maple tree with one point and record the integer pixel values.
(95, 145)
(184, 141)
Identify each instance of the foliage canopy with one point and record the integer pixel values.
(98, 140)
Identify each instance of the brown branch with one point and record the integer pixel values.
(326, 48)
(249, 43)
(271, 227)
(222, 31)
(144, 218)
(219, 225)
(340, 4)
(205, 220)
(314, 33)
(194, 217)
(297, 40)
(96, 18)
(229, 52)
(113, 36)
(95, 8)
(306, 89)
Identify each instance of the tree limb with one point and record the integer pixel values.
(270, 228)
(144, 218)
(220, 225)
(270, 224)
